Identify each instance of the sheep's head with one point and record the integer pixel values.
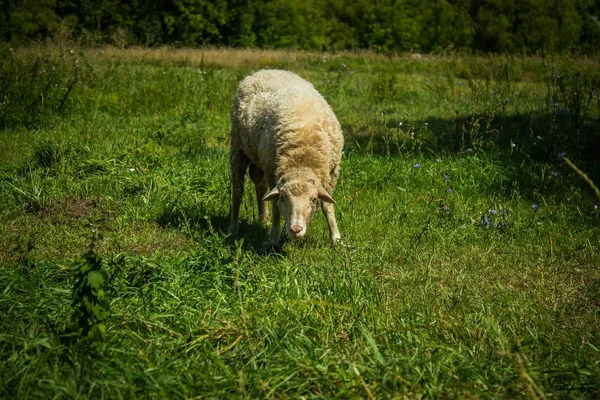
(297, 202)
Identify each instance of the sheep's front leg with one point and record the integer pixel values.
(275, 226)
(334, 233)
(239, 163)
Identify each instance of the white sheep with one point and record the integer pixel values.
(286, 134)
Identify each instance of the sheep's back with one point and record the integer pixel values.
(271, 106)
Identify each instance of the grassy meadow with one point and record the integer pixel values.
(470, 263)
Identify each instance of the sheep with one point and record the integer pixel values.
(287, 136)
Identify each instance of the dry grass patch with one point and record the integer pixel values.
(223, 57)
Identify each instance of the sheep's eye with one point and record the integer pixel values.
(314, 200)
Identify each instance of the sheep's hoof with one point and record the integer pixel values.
(233, 231)
(270, 248)
(340, 244)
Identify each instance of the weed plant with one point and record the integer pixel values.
(89, 294)
(471, 250)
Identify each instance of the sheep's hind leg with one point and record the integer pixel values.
(258, 177)
(239, 163)
(329, 212)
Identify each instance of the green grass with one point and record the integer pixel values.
(424, 299)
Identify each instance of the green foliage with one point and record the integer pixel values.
(284, 24)
(386, 26)
(531, 26)
(195, 22)
(27, 19)
(445, 25)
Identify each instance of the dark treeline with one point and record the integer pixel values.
(547, 26)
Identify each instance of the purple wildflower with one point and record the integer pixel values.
(437, 160)
(449, 190)
(493, 211)
(534, 207)
(554, 174)
(562, 154)
(446, 177)
(417, 165)
(485, 221)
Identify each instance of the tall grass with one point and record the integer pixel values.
(36, 88)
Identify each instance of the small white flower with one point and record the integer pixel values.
(131, 169)
(400, 123)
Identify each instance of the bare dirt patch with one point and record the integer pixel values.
(72, 210)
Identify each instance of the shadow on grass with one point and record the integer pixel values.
(198, 220)
(541, 136)
(517, 142)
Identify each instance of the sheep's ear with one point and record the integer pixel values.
(273, 194)
(324, 196)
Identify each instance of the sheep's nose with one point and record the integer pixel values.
(296, 228)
